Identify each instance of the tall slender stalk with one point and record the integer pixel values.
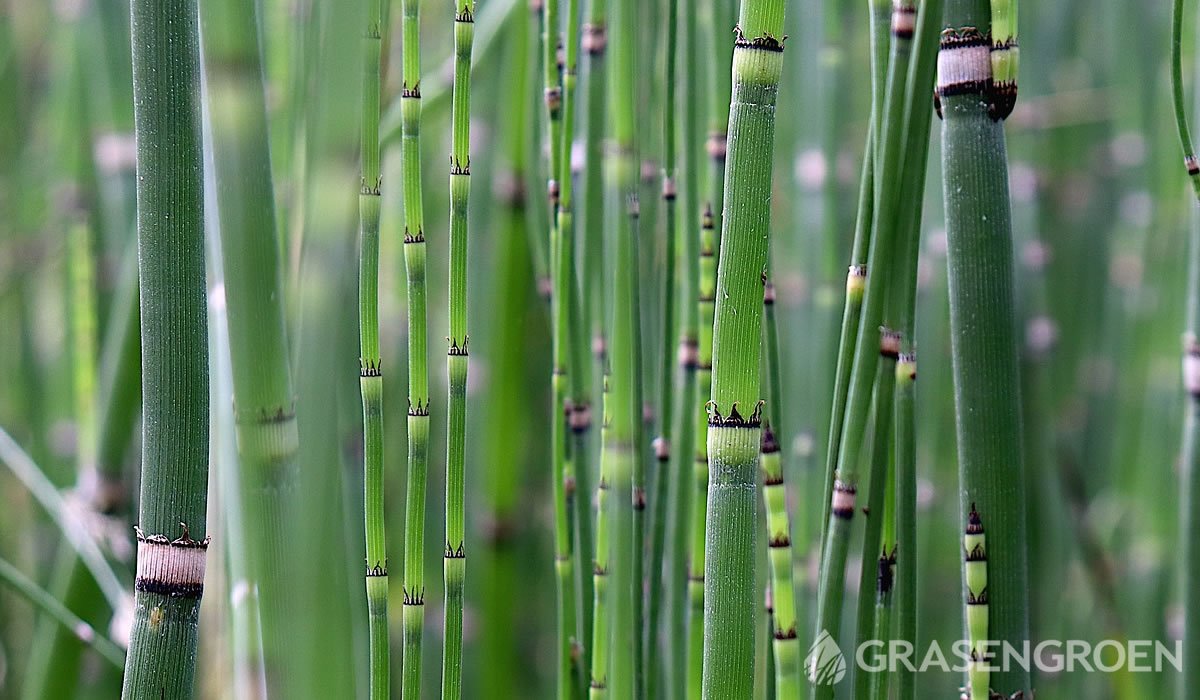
(662, 443)
(172, 539)
(680, 491)
(370, 362)
(594, 301)
(784, 639)
(455, 557)
(418, 368)
(982, 325)
(920, 80)
(866, 348)
(601, 637)
(975, 590)
(267, 439)
(621, 446)
(734, 439)
(1189, 679)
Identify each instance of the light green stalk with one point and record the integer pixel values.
(698, 508)
(370, 362)
(1005, 57)
(562, 263)
(594, 302)
(172, 539)
(982, 324)
(601, 637)
(1189, 679)
(621, 446)
(69, 621)
(455, 557)
(735, 408)
(264, 400)
(784, 639)
(975, 585)
(418, 367)
(866, 348)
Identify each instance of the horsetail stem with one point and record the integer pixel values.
(595, 297)
(621, 447)
(263, 394)
(784, 639)
(681, 493)
(734, 438)
(975, 580)
(600, 569)
(370, 369)
(172, 540)
(698, 509)
(418, 367)
(667, 384)
(866, 347)
(982, 326)
(455, 556)
(1005, 57)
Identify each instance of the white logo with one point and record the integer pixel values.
(825, 664)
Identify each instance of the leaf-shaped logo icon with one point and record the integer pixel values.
(825, 664)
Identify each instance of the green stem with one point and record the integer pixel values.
(172, 539)
(455, 557)
(734, 438)
(982, 324)
(418, 367)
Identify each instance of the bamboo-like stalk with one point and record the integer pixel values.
(920, 81)
(982, 326)
(1005, 57)
(975, 589)
(594, 301)
(866, 348)
(659, 489)
(621, 445)
(455, 556)
(680, 491)
(370, 362)
(698, 508)
(267, 439)
(172, 539)
(598, 685)
(784, 639)
(1189, 509)
(418, 367)
(57, 612)
(734, 438)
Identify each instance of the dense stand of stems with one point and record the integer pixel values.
(1189, 679)
(455, 556)
(418, 367)
(785, 641)
(982, 325)
(734, 428)
(264, 400)
(172, 539)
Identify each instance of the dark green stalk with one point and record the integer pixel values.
(455, 556)
(734, 438)
(982, 325)
(662, 443)
(69, 621)
(267, 438)
(418, 368)
(594, 297)
(1189, 679)
(172, 539)
(680, 492)
(784, 639)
